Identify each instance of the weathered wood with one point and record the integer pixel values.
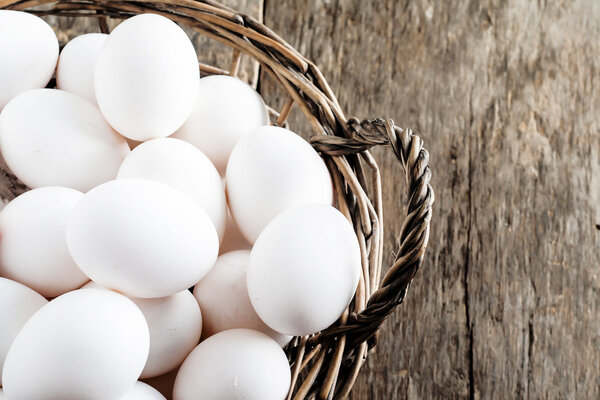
(504, 95)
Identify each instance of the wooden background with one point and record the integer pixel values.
(506, 95)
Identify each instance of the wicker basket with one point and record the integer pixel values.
(324, 365)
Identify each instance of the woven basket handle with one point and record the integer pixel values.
(414, 235)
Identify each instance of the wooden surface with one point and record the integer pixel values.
(506, 95)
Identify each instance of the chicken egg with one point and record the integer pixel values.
(184, 167)
(86, 344)
(33, 248)
(77, 64)
(227, 109)
(50, 137)
(234, 364)
(17, 304)
(142, 391)
(28, 53)
(142, 238)
(304, 269)
(223, 298)
(271, 169)
(147, 77)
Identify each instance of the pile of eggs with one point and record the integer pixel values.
(170, 234)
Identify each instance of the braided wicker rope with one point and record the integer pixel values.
(324, 365)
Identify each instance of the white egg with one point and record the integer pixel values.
(86, 344)
(234, 364)
(142, 238)
(304, 269)
(17, 304)
(226, 110)
(28, 54)
(184, 167)
(142, 391)
(51, 137)
(33, 249)
(147, 77)
(233, 238)
(164, 383)
(77, 64)
(269, 170)
(223, 298)
(175, 325)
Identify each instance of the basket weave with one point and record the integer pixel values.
(324, 365)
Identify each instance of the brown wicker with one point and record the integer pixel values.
(324, 365)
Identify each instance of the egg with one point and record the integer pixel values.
(77, 64)
(223, 298)
(271, 169)
(142, 238)
(17, 304)
(226, 110)
(304, 269)
(175, 324)
(142, 391)
(232, 237)
(33, 248)
(184, 167)
(164, 383)
(147, 77)
(28, 54)
(234, 364)
(86, 344)
(51, 137)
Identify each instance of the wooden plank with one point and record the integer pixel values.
(505, 95)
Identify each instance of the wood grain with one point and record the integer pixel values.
(504, 94)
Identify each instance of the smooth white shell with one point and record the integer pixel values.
(234, 364)
(51, 137)
(77, 64)
(142, 238)
(175, 325)
(226, 109)
(28, 53)
(33, 248)
(184, 167)
(17, 304)
(142, 391)
(270, 170)
(223, 298)
(147, 77)
(304, 269)
(86, 344)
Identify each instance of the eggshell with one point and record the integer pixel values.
(77, 64)
(164, 383)
(270, 170)
(147, 77)
(142, 391)
(51, 137)
(234, 364)
(28, 53)
(142, 238)
(85, 344)
(17, 304)
(304, 269)
(223, 297)
(175, 324)
(184, 167)
(33, 248)
(226, 110)
(232, 238)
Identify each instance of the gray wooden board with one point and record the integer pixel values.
(506, 96)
